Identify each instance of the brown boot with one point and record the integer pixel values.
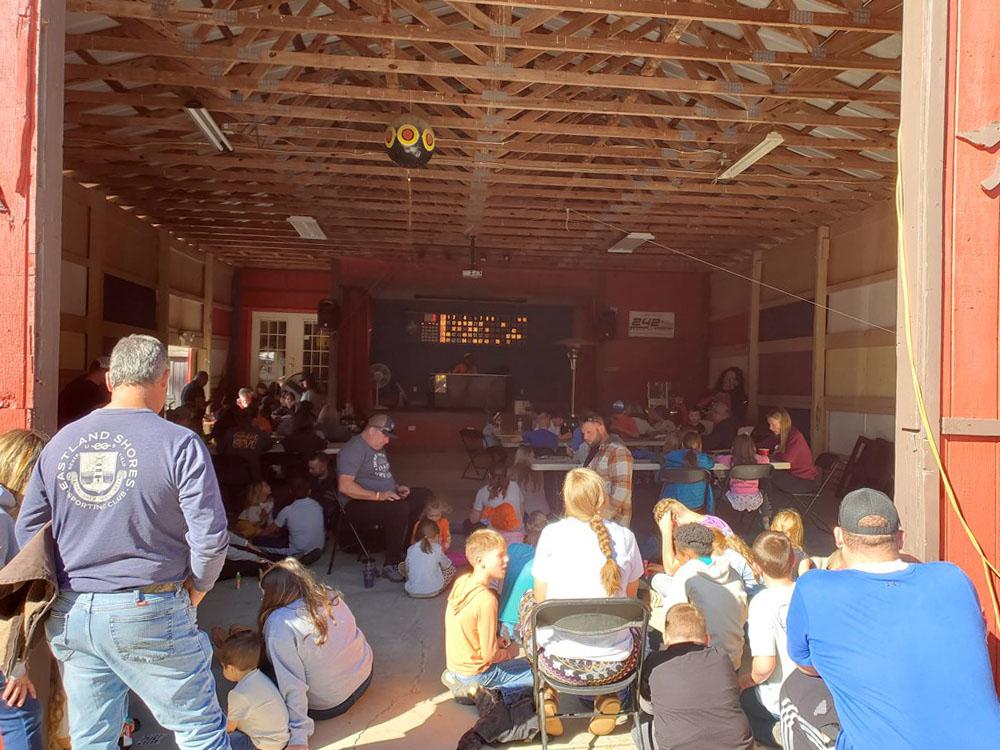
(608, 706)
(553, 724)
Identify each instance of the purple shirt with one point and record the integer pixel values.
(133, 501)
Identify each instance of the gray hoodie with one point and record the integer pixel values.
(310, 675)
(717, 591)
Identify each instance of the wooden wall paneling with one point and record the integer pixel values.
(73, 289)
(791, 267)
(864, 371)
(207, 317)
(792, 320)
(222, 284)
(874, 302)
(845, 426)
(186, 272)
(162, 280)
(787, 372)
(129, 245)
(864, 245)
(97, 235)
(819, 433)
(753, 338)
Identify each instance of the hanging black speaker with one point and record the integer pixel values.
(328, 314)
(607, 324)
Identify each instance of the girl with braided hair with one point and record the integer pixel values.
(584, 556)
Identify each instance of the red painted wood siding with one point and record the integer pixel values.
(971, 279)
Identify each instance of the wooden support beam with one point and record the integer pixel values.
(818, 416)
(560, 42)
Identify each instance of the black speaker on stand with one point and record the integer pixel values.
(606, 324)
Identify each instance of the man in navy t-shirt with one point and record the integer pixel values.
(902, 647)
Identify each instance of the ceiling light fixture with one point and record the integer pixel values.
(307, 227)
(771, 141)
(630, 242)
(208, 126)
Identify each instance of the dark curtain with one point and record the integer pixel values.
(354, 341)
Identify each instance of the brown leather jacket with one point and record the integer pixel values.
(27, 589)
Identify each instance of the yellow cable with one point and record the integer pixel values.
(989, 570)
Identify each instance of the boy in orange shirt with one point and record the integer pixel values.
(475, 656)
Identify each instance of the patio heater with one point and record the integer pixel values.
(573, 347)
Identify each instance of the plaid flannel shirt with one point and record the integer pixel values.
(613, 461)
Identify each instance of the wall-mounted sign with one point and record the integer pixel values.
(658, 325)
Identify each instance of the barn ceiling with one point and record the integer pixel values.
(560, 124)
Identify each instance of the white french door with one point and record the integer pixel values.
(286, 343)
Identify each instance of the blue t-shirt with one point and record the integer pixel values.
(133, 501)
(692, 495)
(904, 655)
(541, 439)
(516, 582)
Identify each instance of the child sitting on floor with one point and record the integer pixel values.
(499, 505)
(475, 656)
(256, 716)
(688, 692)
(707, 582)
(519, 578)
(428, 571)
(436, 510)
(773, 556)
(789, 522)
(304, 519)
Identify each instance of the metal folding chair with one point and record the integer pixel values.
(335, 533)
(690, 475)
(832, 465)
(481, 460)
(586, 617)
(760, 473)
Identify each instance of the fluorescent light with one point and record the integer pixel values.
(307, 227)
(208, 126)
(630, 242)
(771, 141)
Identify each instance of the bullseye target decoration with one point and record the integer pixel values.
(409, 141)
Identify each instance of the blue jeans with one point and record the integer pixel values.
(508, 677)
(240, 741)
(150, 644)
(21, 728)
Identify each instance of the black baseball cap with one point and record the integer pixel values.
(383, 423)
(867, 502)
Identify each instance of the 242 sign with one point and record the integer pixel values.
(651, 324)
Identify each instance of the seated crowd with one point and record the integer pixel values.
(758, 643)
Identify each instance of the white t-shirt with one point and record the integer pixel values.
(513, 495)
(425, 570)
(569, 560)
(254, 513)
(768, 637)
(304, 520)
(259, 711)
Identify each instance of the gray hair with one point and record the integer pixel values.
(137, 360)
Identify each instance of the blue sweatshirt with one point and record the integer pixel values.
(133, 501)
(692, 495)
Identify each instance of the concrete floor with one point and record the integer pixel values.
(406, 707)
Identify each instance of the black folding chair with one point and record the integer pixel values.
(336, 530)
(760, 473)
(690, 475)
(586, 617)
(832, 466)
(481, 460)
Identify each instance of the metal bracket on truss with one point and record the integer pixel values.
(503, 31)
(763, 56)
(734, 87)
(806, 17)
(161, 6)
(862, 15)
(191, 45)
(501, 69)
(781, 87)
(493, 95)
(225, 17)
(986, 138)
(249, 53)
(818, 53)
(493, 121)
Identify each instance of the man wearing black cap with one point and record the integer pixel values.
(901, 646)
(369, 493)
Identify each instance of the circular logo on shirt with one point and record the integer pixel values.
(98, 470)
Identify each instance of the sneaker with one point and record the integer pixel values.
(391, 572)
(462, 692)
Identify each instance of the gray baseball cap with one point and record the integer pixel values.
(867, 502)
(384, 423)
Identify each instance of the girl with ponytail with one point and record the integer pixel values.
(584, 556)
